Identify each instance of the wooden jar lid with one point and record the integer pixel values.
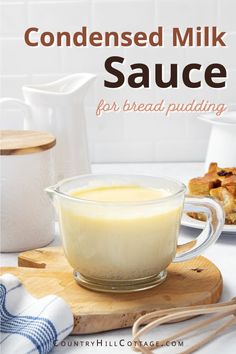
(21, 142)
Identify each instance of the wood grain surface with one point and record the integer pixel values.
(20, 142)
(46, 271)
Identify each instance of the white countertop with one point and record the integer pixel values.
(223, 254)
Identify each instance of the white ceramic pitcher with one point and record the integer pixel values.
(57, 107)
(222, 142)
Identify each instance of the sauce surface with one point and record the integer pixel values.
(122, 193)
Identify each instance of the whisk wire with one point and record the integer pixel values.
(156, 318)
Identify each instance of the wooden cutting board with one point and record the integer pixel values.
(46, 271)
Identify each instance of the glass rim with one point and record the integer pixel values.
(56, 189)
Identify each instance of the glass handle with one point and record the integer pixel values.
(211, 232)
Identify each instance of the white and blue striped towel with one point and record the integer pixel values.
(30, 325)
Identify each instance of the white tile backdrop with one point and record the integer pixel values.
(119, 137)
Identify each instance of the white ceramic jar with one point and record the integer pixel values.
(222, 142)
(27, 220)
(58, 108)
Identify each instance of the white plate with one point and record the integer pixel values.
(197, 224)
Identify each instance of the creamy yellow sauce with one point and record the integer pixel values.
(123, 193)
(120, 241)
